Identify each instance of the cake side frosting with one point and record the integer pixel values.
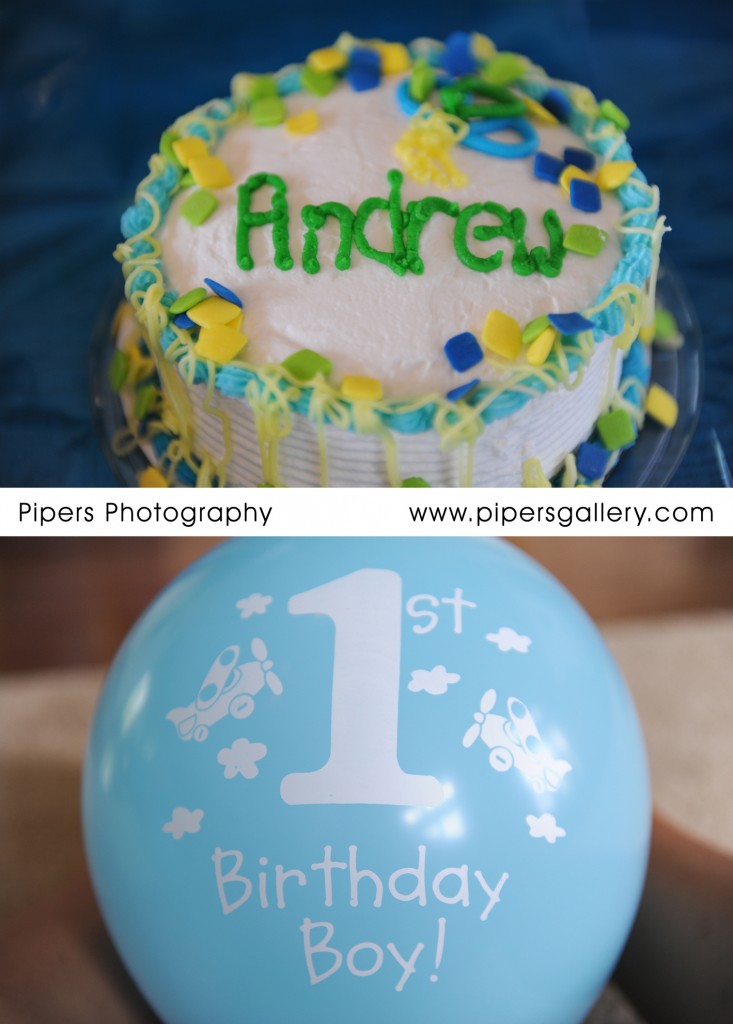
(365, 317)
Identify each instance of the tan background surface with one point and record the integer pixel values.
(71, 601)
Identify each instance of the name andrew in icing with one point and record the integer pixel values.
(406, 227)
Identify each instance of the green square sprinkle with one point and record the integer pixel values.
(261, 87)
(118, 369)
(422, 80)
(616, 429)
(504, 68)
(197, 208)
(145, 399)
(166, 146)
(665, 325)
(614, 114)
(306, 364)
(585, 239)
(268, 111)
(320, 83)
(415, 481)
(189, 300)
(534, 328)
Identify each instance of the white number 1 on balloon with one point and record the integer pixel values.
(362, 767)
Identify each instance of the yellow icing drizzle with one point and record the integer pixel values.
(425, 145)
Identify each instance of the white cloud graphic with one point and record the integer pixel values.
(182, 821)
(241, 758)
(545, 827)
(435, 680)
(507, 639)
(255, 604)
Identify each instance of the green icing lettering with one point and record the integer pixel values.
(418, 214)
(406, 227)
(314, 217)
(550, 263)
(482, 233)
(278, 216)
(522, 262)
(395, 260)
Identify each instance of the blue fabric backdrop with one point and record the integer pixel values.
(87, 85)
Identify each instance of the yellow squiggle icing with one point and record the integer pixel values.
(224, 420)
(273, 420)
(532, 474)
(425, 145)
(620, 401)
(570, 471)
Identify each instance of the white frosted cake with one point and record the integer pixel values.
(390, 265)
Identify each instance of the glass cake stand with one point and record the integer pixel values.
(651, 462)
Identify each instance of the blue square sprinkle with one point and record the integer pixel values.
(547, 167)
(183, 321)
(591, 460)
(362, 78)
(570, 323)
(362, 57)
(462, 389)
(558, 104)
(579, 158)
(222, 291)
(457, 56)
(463, 351)
(585, 195)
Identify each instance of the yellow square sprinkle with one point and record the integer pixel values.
(236, 323)
(482, 47)
(304, 123)
(327, 59)
(502, 334)
(648, 333)
(394, 58)
(189, 148)
(361, 388)
(569, 173)
(661, 406)
(613, 174)
(541, 347)
(220, 344)
(241, 84)
(210, 172)
(138, 367)
(537, 112)
(212, 311)
(151, 477)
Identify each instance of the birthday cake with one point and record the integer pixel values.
(423, 265)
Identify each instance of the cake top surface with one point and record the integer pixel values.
(367, 319)
(398, 224)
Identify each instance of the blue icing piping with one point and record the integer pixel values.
(202, 132)
(141, 248)
(136, 218)
(167, 338)
(170, 176)
(289, 82)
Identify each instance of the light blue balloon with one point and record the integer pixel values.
(366, 780)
